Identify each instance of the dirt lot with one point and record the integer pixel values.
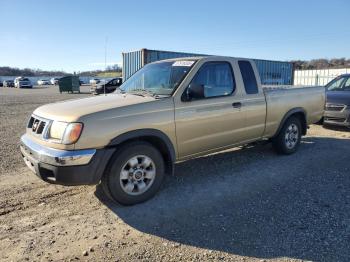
(240, 205)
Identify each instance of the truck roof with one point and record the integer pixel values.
(200, 58)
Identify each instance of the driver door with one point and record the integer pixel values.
(214, 121)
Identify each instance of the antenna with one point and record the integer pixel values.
(104, 82)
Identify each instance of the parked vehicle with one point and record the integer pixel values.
(94, 81)
(9, 83)
(54, 81)
(1, 83)
(107, 86)
(23, 82)
(169, 111)
(43, 82)
(337, 110)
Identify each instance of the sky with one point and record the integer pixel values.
(74, 35)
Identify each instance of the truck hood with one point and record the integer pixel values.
(338, 97)
(72, 110)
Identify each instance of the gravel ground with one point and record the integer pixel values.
(239, 205)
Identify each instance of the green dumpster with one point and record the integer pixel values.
(69, 84)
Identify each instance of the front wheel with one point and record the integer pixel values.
(135, 173)
(288, 139)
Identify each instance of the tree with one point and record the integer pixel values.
(322, 63)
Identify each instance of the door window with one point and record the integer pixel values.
(114, 82)
(217, 79)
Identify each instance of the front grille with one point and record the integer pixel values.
(334, 107)
(37, 125)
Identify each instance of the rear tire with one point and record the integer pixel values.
(288, 139)
(134, 174)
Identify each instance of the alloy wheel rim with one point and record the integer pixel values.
(137, 175)
(291, 136)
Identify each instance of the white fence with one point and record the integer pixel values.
(317, 77)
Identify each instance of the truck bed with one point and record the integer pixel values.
(280, 99)
(279, 87)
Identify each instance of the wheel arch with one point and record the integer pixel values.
(298, 112)
(156, 138)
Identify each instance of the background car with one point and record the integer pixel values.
(337, 111)
(1, 83)
(94, 81)
(8, 83)
(54, 81)
(43, 82)
(23, 82)
(110, 85)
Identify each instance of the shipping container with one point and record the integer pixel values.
(275, 72)
(134, 60)
(271, 72)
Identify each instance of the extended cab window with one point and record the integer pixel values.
(216, 78)
(249, 80)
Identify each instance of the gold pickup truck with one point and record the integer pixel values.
(169, 111)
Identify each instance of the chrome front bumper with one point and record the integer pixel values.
(339, 118)
(55, 157)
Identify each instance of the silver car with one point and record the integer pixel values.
(54, 81)
(337, 111)
(23, 82)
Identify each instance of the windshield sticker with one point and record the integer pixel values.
(183, 63)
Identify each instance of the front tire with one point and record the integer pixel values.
(135, 173)
(288, 139)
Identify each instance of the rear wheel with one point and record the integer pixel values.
(135, 173)
(288, 139)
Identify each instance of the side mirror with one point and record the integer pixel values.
(194, 91)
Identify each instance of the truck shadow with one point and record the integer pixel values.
(336, 128)
(255, 203)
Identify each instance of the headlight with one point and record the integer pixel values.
(67, 133)
(57, 130)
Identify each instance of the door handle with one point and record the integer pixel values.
(237, 105)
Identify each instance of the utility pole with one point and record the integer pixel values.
(104, 83)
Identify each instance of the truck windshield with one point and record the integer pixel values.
(159, 78)
(339, 84)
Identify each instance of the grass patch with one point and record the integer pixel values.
(109, 74)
